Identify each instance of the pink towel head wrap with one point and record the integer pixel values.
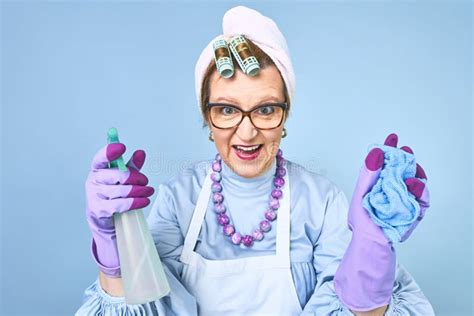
(262, 31)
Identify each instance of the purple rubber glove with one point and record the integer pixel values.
(365, 278)
(110, 191)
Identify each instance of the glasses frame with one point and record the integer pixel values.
(282, 105)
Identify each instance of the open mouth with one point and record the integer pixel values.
(247, 152)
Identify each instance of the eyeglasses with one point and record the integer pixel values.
(264, 116)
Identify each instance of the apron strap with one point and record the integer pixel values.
(197, 219)
(283, 222)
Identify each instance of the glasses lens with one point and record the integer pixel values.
(225, 116)
(267, 116)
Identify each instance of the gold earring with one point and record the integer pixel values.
(284, 134)
(210, 136)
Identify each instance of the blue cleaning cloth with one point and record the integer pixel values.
(390, 205)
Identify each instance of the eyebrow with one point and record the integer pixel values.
(234, 101)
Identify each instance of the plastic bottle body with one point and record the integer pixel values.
(144, 279)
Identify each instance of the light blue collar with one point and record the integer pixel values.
(235, 180)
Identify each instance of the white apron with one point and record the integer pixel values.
(260, 285)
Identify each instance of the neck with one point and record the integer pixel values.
(266, 173)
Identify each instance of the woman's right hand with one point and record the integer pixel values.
(110, 191)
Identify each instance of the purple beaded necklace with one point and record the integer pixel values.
(270, 214)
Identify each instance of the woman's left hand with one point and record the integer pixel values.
(365, 277)
(359, 219)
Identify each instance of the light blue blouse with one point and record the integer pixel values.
(319, 238)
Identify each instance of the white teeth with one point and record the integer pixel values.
(247, 148)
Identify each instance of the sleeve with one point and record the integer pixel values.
(407, 298)
(168, 237)
(169, 241)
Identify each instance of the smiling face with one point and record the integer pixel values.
(246, 93)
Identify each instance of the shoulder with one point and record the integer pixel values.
(311, 185)
(195, 171)
(177, 196)
(188, 179)
(316, 202)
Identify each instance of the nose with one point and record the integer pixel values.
(246, 130)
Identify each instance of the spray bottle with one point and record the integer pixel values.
(143, 277)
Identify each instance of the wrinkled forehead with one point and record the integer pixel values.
(246, 91)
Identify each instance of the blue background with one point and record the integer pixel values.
(364, 69)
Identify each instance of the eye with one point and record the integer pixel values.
(266, 110)
(227, 110)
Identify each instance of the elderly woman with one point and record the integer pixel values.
(249, 232)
